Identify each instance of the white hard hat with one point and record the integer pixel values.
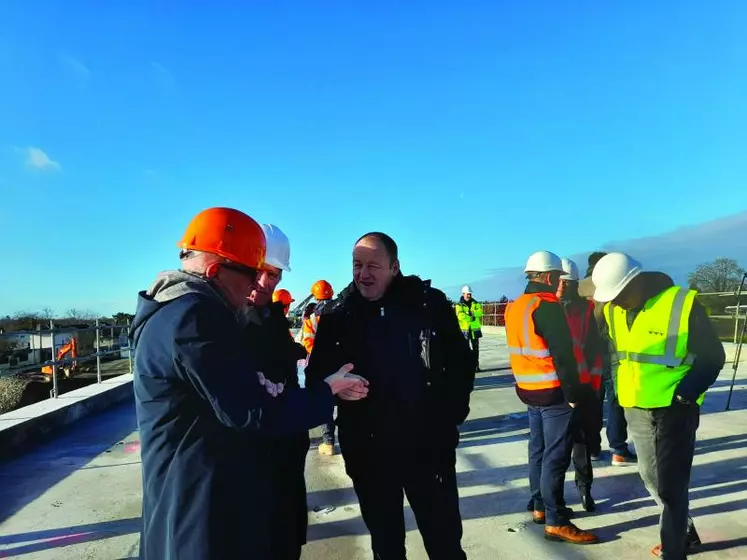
(612, 273)
(278, 247)
(543, 261)
(466, 290)
(570, 268)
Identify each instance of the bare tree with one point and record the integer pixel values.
(721, 275)
(47, 313)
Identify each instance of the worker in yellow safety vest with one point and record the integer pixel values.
(469, 314)
(669, 355)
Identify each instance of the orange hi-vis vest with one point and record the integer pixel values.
(578, 322)
(531, 362)
(308, 332)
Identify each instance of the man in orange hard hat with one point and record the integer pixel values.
(283, 296)
(323, 293)
(199, 399)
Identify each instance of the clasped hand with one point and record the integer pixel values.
(346, 385)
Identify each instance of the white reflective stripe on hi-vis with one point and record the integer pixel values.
(521, 351)
(536, 377)
(669, 359)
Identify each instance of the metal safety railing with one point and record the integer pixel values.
(37, 347)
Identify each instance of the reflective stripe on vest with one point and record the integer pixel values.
(653, 355)
(578, 323)
(531, 362)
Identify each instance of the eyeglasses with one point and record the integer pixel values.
(250, 273)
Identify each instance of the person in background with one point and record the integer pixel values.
(669, 355)
(544, 365)
(617, 426)
(403, 334)
(284, 297)
(587, 346)
(200, 400)
(277, 355)
(469, 314)
(323, 294)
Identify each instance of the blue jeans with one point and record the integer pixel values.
(550, 445)
(617, 426)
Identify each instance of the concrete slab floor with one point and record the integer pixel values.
(78, 496)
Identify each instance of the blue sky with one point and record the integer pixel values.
(474, 134)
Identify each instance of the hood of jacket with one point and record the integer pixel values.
(167, 287)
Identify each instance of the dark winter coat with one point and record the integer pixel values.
(198, 403)
(277, 355)
(410, 348)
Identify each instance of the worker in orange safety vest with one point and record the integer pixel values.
(323, 293)
(587, 348)
(544, 366)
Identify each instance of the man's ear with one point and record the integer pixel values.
(212, 270)
(395, 267)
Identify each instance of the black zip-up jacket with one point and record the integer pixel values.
(410, 348)
(551, 324)
(269, 339)
(702, 341)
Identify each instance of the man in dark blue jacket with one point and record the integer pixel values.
(277, 354)
(405, 336)
(199, 394)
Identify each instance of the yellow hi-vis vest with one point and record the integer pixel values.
(653, 356)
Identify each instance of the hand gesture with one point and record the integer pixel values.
(273, 389)
(346, 385)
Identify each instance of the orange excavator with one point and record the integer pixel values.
(72, 348)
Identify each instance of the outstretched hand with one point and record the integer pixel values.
(346, 385)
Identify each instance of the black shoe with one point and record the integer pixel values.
(692, 539)
(566, 512)
(587, 502)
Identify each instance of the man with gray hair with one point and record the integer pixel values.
(199, 398)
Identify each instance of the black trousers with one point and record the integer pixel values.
(475, 344)
(288, 507)
(587, 439)
(426, 475)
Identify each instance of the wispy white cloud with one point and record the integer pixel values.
(163, 77)
(81, 72)
(37, 158)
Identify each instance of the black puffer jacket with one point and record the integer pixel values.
(410, 348)
(269, 338)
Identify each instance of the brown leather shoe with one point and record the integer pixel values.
(538, 517)
(570, 533)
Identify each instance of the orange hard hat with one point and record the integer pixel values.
(322, 290)
(229, 233)
(283, 295)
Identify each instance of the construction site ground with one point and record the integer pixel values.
(78, 496)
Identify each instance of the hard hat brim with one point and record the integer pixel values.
(605, 296)
(277, 264)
